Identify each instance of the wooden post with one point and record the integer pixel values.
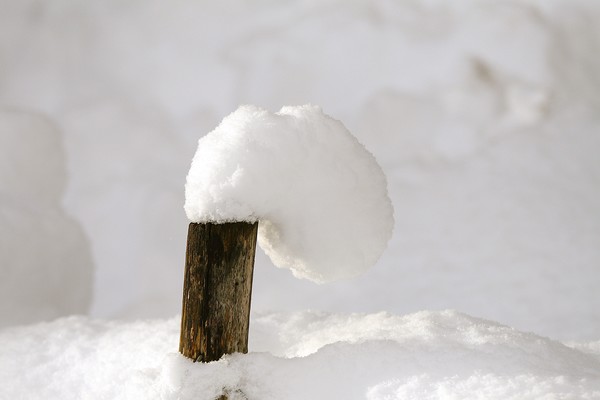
(216, 290)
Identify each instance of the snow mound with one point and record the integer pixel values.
(320, 196)
(427, 355)
(45, 261)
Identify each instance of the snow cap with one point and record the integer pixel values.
(320, 196)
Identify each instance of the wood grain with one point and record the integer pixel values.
(217, 290)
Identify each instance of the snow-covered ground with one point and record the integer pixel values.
(428, 355)
(484, 116)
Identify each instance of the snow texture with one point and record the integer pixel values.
(320, 196)
(428, 355)
(45, 260)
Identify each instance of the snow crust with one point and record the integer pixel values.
(428, 355)
(320, 196)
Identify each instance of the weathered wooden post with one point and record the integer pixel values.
(217, 289)
(298, 171)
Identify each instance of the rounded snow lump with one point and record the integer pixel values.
(320, 196)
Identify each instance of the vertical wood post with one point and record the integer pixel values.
(217, 288)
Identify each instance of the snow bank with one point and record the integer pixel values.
(45, 260)
(320, 196)
(428, 355)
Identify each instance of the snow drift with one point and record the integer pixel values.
(320, 196)
(45, 261)
(428, 355)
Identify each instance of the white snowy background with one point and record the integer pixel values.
(484, 115)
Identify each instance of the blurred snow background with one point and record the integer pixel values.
(46, 265)
(483, 114)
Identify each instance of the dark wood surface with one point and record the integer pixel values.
(217, 289)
